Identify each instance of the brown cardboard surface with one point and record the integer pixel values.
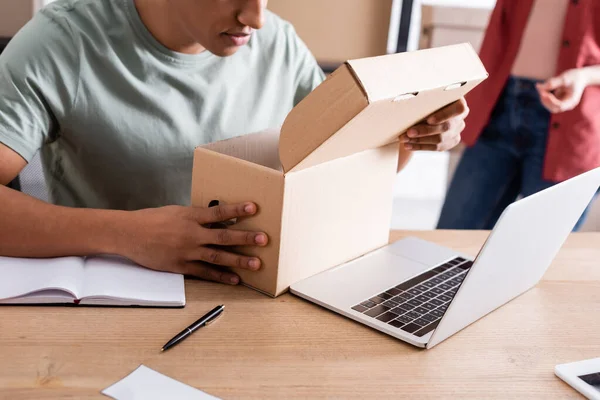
(259, 148)
(335, 212)
(455, 17)
(313, 208)
(231, 180)
(417, 71)
(443, 26)
(381, 116)
(332, 200)
(331, 106)
(443, 36)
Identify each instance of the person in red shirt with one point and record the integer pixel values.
(536, 120)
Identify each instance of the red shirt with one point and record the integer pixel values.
(574, 136)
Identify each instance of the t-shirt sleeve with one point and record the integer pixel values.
(38, 84)
(308, 73)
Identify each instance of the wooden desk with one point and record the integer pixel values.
(289, 348)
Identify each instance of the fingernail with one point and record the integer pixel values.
(408, 146)
(254, 263)
(431, 121)
(412, 133)
(234, 279)
(260, 239)
(249, 208)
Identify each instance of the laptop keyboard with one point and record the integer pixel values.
(417, 305)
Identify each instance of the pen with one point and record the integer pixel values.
(206, 319)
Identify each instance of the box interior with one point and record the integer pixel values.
(260, 148)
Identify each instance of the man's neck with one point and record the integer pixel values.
(165, 26)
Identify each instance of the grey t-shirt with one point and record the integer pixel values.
(116, 115)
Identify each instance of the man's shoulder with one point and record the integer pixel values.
(84, 14)
(59, 10)
(46, 34)
(68, 7)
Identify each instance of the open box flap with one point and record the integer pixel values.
(369, 102)
(387, 77)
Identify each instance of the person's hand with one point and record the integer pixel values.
(563, 92)
(177, 239)
(441, 130)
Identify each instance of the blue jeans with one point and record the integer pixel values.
(507, 161)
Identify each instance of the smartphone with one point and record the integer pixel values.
(583, 376)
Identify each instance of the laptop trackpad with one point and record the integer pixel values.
(421, 251)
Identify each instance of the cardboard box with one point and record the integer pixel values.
(324, 185)
(455, 17)
(442, 26)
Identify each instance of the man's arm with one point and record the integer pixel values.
(33, 228)
(168, 238)
(39, 78)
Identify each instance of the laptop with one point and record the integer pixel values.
(423, 293)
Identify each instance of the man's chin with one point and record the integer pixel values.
(224, 51)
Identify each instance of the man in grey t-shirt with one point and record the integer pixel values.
(115, 95)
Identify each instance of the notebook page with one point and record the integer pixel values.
(50, 296)
(118, 278)
(21, 276)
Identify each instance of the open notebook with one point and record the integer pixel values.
(101, 280)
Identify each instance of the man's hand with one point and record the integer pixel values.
(441, 131)
(563, 92)
(176, 239)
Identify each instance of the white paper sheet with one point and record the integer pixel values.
(146, 384)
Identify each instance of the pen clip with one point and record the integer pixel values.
(216, 317)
